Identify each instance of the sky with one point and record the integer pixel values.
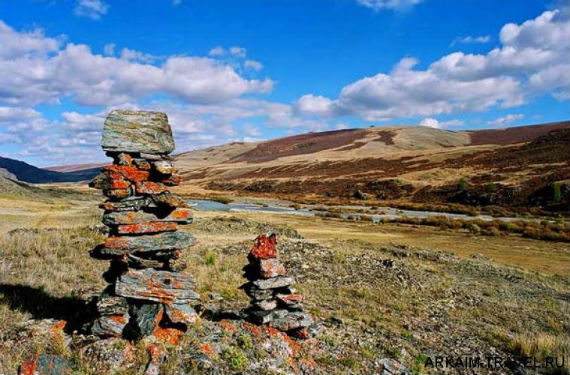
(251, 70)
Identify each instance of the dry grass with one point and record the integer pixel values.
(47, 273)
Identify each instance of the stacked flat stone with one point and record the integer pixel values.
(146, 292)
(273, 300)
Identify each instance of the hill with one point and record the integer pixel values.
(29, 173)
(506, 167)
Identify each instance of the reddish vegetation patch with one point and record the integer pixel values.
(386, 136)
(181, 214)
(517, 134)
(264, 247)
(301, 144)
(148, 227)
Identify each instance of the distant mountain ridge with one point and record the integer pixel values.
(29, 173)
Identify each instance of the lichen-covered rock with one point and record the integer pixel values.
(274, 282)
(264, 247)
(293, 320)
(180, 215)
(132, 204)
(154, 285)
(163, 167)
(147, 227)
(168, 199)
(146, 317)
(111, 305)
(143, 244)
(180, 313)
(264, 268)
(110, 325)
(109, 355)
(137, 131)
(45, 365)
(149, 187)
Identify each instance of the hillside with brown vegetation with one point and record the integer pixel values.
(518, 168)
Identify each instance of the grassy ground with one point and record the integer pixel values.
(396, 291)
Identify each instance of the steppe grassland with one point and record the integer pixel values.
(45, 262)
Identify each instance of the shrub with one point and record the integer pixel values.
(235, 358)
(556, 192)
(462, 185)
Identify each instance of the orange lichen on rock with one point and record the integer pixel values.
(264, 247)
(149, 187)
(28, 367)
(207, 349)
(128, 172)
(118, 318)
(168, 335)
(58, 327)
(252, 328)
(147, 227)
(227, 326)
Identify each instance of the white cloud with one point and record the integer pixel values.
(253, 64)
(109, 49)
(238, 51)
(132, 55)
(377, 5)
(472, 39)
(217, 51)
(533, 60)
(314, 105)
(40, 70)
(434, 123)
(93, 9)
(341, 126)
(430, 122)
(14, 44)
(505, 120)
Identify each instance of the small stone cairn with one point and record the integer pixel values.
(146, 296)
(273, 301)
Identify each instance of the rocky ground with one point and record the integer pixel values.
(380, 308)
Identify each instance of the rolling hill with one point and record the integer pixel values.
(513, 166)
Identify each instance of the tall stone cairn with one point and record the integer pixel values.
(273, 300)
(146, 294)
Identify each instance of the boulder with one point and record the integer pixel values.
(170, 241)
(137, 131)
(158, 286)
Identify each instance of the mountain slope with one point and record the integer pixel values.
(29, 173)
(410, 163)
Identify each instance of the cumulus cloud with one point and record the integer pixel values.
(471, 39)
(253, 64)
(533, 60)
(505, 120)
(314, 105)
(35, 69)
(217, 51)
(93, 9)
(238, 51)
(434, 123)
(377, 5)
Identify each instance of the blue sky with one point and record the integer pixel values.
(252, 70)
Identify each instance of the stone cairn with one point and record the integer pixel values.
(273, 300)
(146, 295)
